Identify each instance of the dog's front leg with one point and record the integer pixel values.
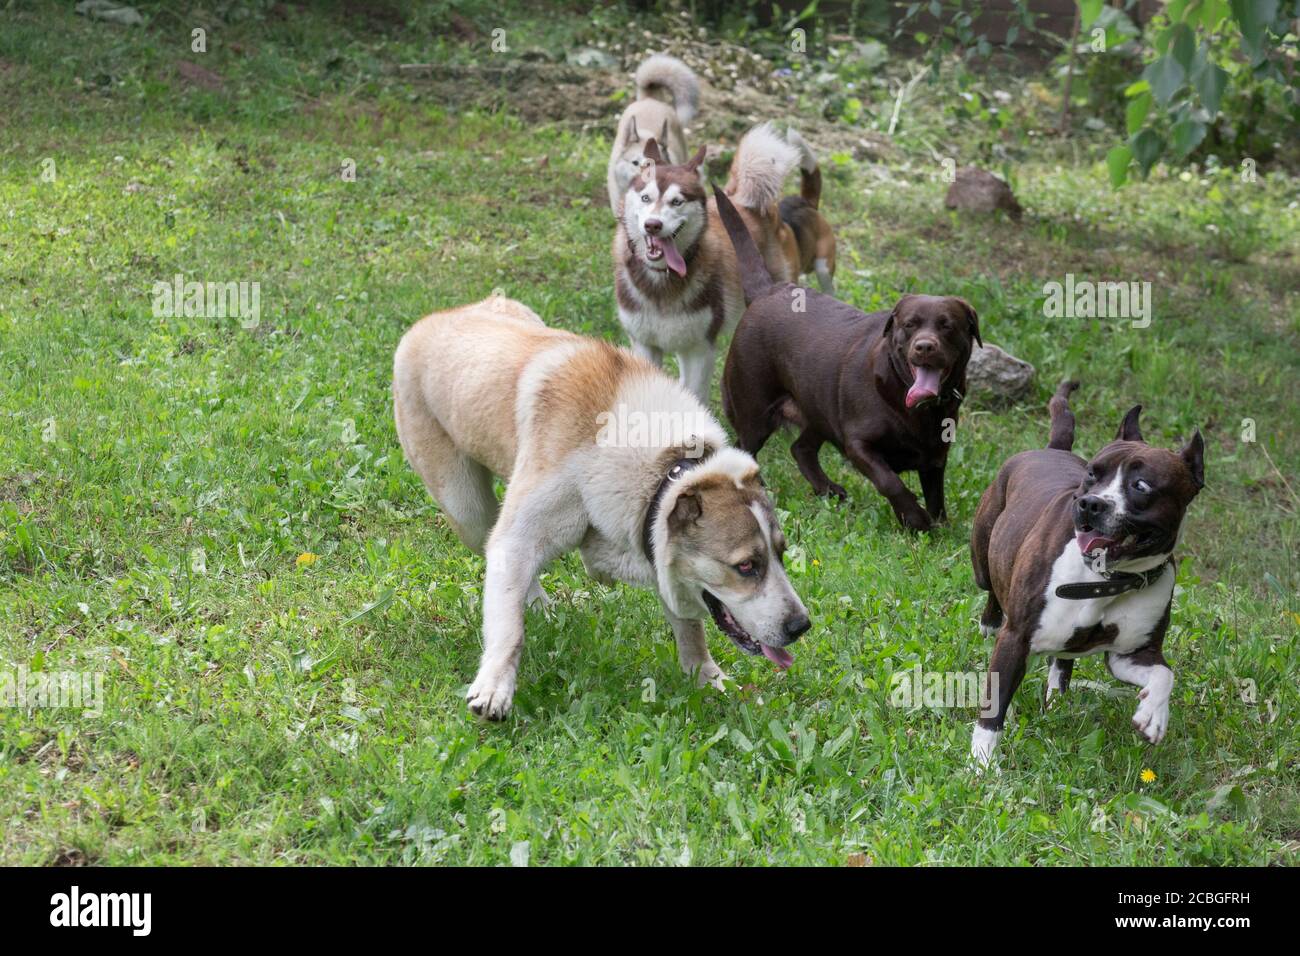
(1147, 669)
(932, 488)
(648, 352)
(887, 482)
(520, 545)
(1006, 671)
(697, 371)
(693, 650)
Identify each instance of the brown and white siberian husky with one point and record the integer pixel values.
(675, 275)
(651, 117)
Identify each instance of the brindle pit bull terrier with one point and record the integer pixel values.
(1077, 557)
(883, 388)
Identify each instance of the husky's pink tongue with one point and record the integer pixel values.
(672, 257)
(925, 385)
(1089, 541)
(778, 656)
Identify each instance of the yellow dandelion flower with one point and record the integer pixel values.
(307, 558)
(1148, 775)
(816, 563)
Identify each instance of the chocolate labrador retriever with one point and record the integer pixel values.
(883, 388)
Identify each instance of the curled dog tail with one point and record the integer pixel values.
(663, 73)
(763, 160)
(755, 280)
(1062, 418)
(810, 174)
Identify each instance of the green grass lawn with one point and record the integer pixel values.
(160, 478)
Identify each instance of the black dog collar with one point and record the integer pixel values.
(680, 467)
(1117, 582)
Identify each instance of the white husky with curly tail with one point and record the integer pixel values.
(667, 97)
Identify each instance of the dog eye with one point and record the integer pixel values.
(1142, 486)
(1092, 475)
(677, 202)
(747, 569)
(645, 197)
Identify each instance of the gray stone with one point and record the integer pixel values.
(591, 58)
(994, 372)
(975, 190)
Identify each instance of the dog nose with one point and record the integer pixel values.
(1092, 506)
(653, 226)
(795, 626)
(924, 347)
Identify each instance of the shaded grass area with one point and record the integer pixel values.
(161, 476)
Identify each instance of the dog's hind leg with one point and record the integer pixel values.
(460, 485)
(991, 619)
(824, 277)
(1059, 670)
(986, 515)
(1006, 671)
(805, 451)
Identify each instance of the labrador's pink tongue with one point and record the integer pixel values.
(925, 386)
(672, 257)
(778, 656)
(1090, 541)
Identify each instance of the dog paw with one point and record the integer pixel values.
(1151, 719)
(537, 599)
(707, 674)
(983, 743)
(490, 696)
(915, 520)
(836, 491)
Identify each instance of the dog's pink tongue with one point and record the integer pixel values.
(926, 385)
(672, 257)
(778, 656)
(1089, 541)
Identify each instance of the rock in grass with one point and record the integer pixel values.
(118, 13)
(975, 190)
(997, 374)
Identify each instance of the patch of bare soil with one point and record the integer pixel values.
(738, 89)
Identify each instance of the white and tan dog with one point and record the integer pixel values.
(602, 452)
(650, 116)
(675, 276)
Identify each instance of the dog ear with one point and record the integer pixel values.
(1128, 429)
(632, 135)
(686, 510)
(973, 319)
(1193, 455)
(697, 160)
(663, 134)
(893, 314)
(651, 151)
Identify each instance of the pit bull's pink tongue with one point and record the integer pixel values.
(778, 656)
(926, 385)
(672, 257)
(1089, 541)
